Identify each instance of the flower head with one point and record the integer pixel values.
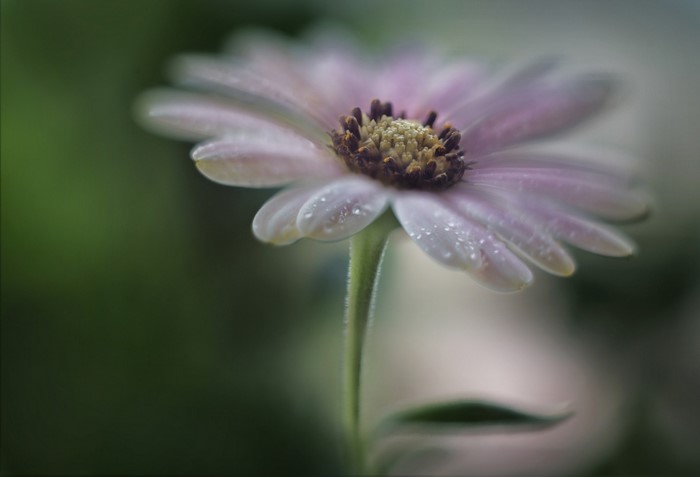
(440, 143)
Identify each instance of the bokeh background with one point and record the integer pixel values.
(145, 331)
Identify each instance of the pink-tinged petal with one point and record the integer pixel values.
(263, 159)
(591, 236)
(569, 225)
(525, 74)
(503, 88)
(342, 208)
(540, 112)
(562, 164)
(325, 39)
(238, 81)
(403, 77)
(193, 116)
(338, 68)
(501, 270)
(341, 81)
(448, 84)
(295, 77)
(515, 227)
(454, 240)
(276, 221)
(579, 231)
(329, 71)
(438, 230)
(228, 75)
(579, 189)
(328, 76)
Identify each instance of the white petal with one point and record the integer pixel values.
(276, 221)
(342, 208)
(439, 231)
(263, 159)
(515, 227)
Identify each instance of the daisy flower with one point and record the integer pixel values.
(441, 143)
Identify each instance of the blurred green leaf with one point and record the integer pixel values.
(468, 414)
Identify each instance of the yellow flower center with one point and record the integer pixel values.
(397, 151)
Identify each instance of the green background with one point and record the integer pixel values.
(142, 323)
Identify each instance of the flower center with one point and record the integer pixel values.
(403, 153)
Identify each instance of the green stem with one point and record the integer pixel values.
(366, 252)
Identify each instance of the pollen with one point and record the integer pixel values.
(400, 152)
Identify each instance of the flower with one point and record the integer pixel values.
(439, 142)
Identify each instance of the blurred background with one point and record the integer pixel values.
(145, 331)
